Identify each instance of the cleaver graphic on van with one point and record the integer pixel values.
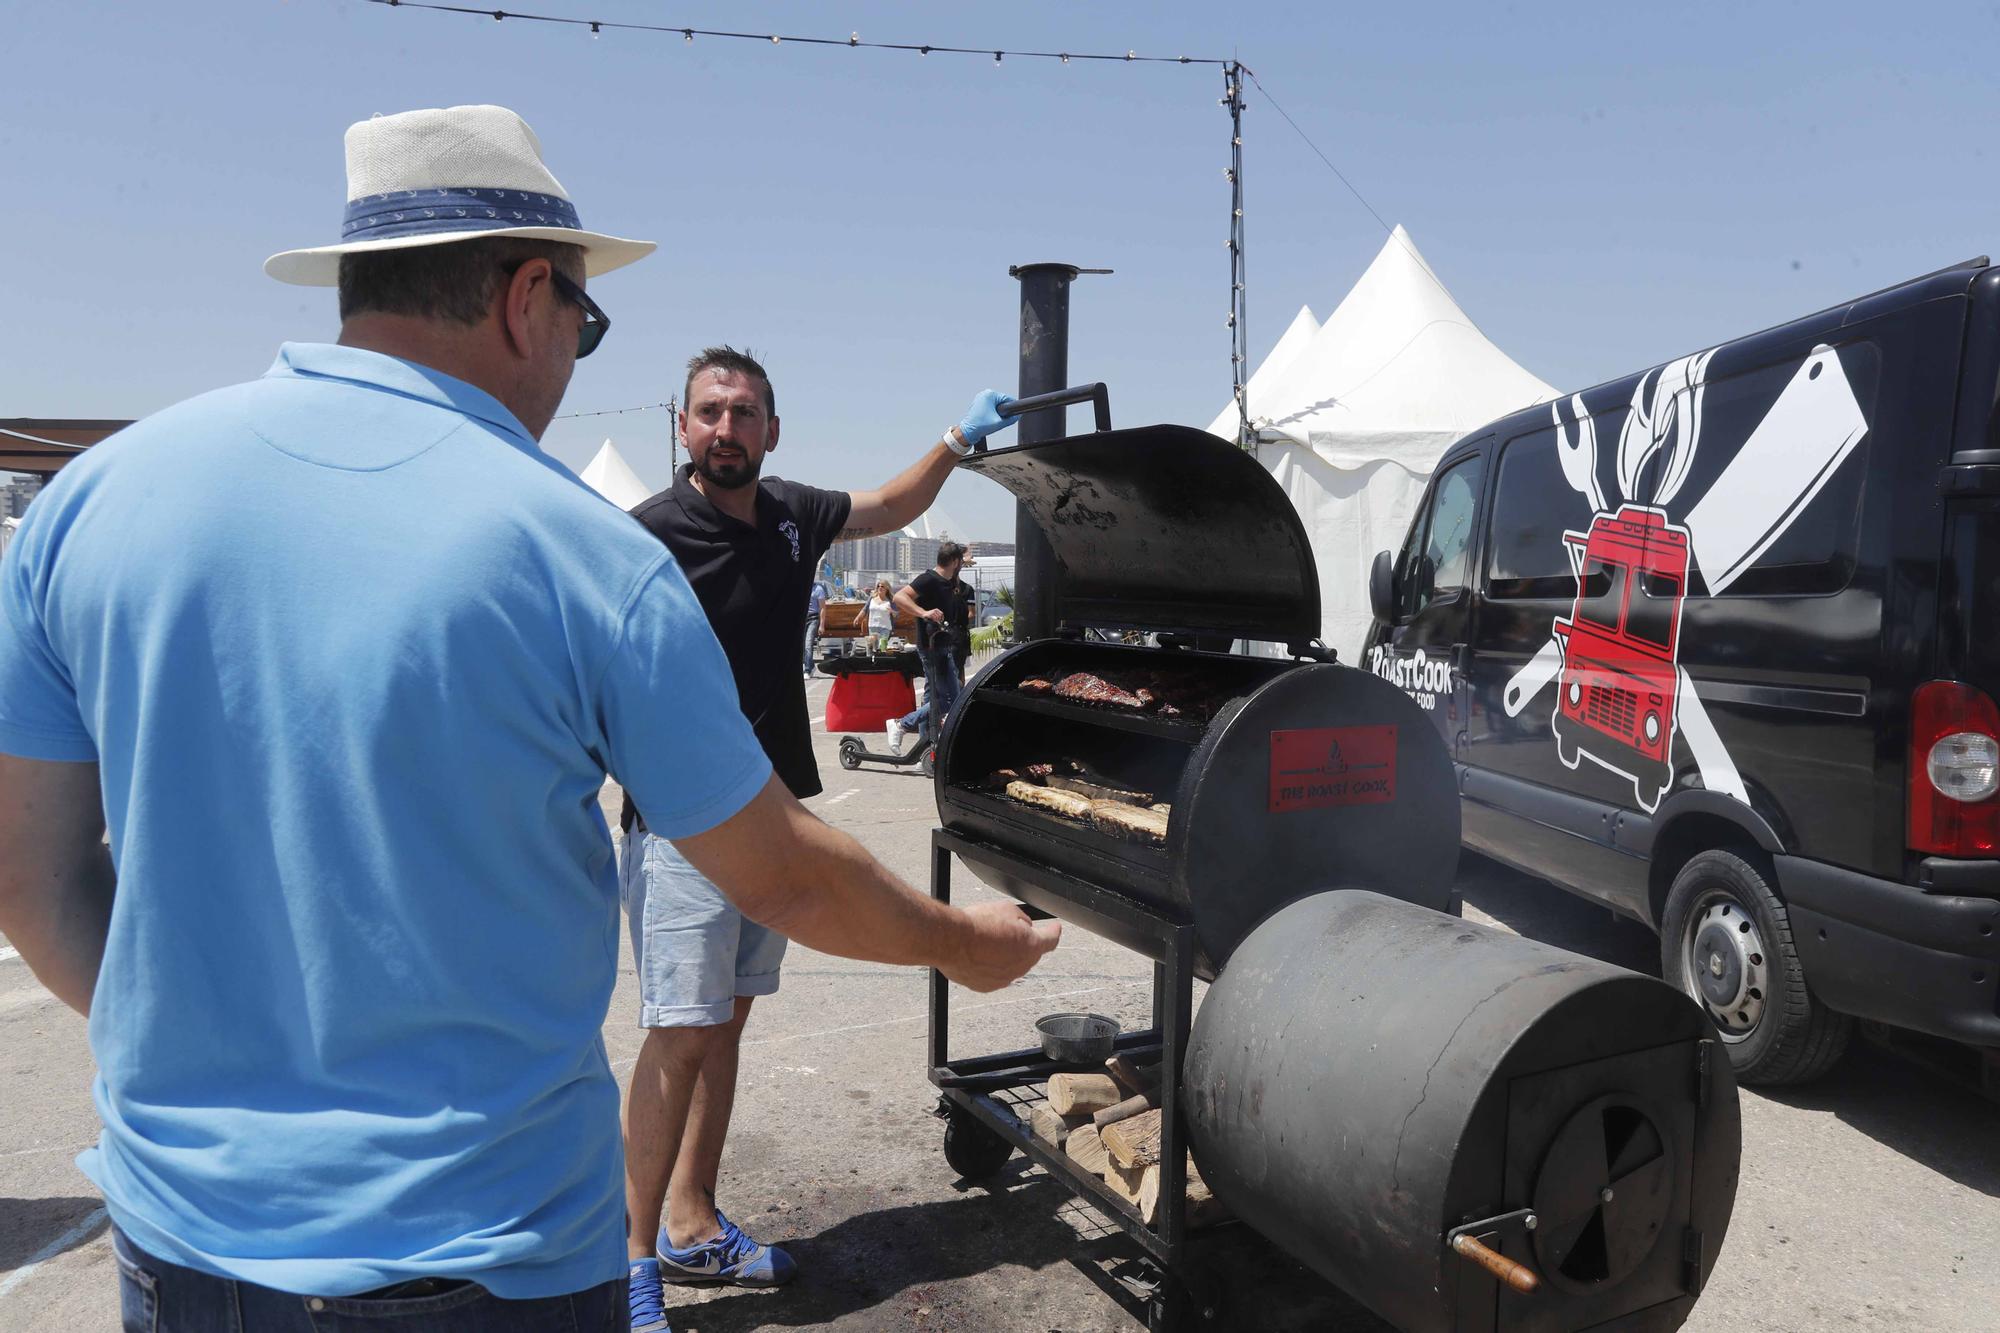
(1787, 460)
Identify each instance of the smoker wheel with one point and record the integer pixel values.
(973, 1150)
(850, 753)
(929, 764)
(1200, 1302)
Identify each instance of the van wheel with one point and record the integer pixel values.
(1726, 939)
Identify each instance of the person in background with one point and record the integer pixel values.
(881, 616)
(749, 545)
(813, 603)
(327, 872)
(930, 597)
(960, 614)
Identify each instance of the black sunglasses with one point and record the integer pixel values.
(595, 322)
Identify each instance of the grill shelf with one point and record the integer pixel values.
(1105, 716)
(977, 1094)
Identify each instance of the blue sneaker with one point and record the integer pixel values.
(730, 1257)
(649, 1308)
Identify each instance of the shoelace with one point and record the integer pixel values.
(646, 1301)
(736, 1246)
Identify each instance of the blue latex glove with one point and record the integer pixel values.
(983, 417)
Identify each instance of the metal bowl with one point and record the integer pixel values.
(1077, 1038)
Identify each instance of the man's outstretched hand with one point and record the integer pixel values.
(983, 417)
(1002, 946)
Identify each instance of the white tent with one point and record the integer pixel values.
(1257, 393)
(613, 478)
(1353, 422)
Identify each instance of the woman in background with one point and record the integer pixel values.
(881, 616)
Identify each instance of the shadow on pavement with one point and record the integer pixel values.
(28, 1225)
(1541, 911)
(1903, 1106)
(886, 1267)
(1910, 1110)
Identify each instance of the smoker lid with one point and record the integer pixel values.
(1165, 528)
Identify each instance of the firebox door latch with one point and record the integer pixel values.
(1478, 1244)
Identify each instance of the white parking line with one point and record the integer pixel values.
(836, 800)
(51, 1250)
(5, 954)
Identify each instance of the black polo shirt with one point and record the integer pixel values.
(755, 584)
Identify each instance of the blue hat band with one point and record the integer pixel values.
(424, 212)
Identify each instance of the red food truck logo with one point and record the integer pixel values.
(1622, 694)
(1619, 683)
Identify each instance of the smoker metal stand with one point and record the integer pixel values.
(986, 1131)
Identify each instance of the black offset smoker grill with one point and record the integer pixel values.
(1376, 1132)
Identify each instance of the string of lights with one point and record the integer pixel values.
(618, 411)
(852, 40)
(1341, 176)
(1234, 72)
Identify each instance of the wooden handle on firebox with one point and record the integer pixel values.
(1518, 1276)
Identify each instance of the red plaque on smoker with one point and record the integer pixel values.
(1322, 766)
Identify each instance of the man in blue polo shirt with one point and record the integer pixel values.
(340, 659)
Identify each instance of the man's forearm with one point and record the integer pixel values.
(782, 866)
(858, 909)
(903, 500)
(58, 919)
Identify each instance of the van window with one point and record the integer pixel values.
(1650, 615)
(1603, 601)
(1815, 553)
(1533, 505)
(1438, 556)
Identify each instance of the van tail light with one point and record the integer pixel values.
(1954, 771)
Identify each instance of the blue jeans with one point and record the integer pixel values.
(940, 692)
(159, 1297)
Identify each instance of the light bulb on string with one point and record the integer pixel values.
(687, 34)
(596, 31)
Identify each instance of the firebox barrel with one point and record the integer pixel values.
(1368, 1076)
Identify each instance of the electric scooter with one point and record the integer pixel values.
(854, 752)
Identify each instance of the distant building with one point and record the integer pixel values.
(15, 495)
(981, 550)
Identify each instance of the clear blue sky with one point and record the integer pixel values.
(1601, 186)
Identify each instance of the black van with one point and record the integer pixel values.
(1718, 645)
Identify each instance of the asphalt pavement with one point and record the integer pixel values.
(1869, 1200)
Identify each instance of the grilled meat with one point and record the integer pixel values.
(1035, 685)
(1128, 822)
(1084, 687)
(1099, 792)
(1066, 803)
(1036, 774)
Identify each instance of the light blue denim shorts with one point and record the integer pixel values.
(694, 951)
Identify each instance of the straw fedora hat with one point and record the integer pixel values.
(457, 174)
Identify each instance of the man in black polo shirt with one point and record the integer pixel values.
(749, 547)
(942, 604)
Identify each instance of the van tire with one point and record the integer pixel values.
(1722, 907)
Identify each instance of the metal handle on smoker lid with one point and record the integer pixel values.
(1096, 395)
